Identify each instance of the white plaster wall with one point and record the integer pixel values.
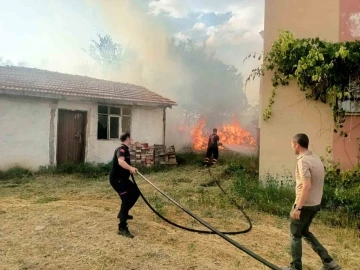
(146, 126)
(24, 132)
(95, 150)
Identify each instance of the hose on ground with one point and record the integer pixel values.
(207, 225)
(240, 208)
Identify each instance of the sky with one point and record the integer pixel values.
(50, 34)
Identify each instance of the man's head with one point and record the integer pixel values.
(214, 130)
(299, 143)
(125, 138)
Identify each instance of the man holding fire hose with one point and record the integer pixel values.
(213, 148)
(119, 180)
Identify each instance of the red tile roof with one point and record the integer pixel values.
(30, 80)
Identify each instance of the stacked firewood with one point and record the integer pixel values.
(141, 154)
(165, 156)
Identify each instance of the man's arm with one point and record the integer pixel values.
(121, 160)
(305, 175)
(123, 163)
(219, 143)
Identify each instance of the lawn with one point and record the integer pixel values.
(69, 222)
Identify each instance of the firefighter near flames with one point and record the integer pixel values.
(212, 152)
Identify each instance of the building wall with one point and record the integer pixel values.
(346, 150)
(28, 131)
(349, 20)
(146, 126)
(24, 132)
(291, 112)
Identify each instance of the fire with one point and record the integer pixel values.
(232, 134)
(199, 139)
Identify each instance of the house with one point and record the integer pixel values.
(54, 118)
(335, 20)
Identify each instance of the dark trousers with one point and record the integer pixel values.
(129, 193)
(214, 152)
(300, 229)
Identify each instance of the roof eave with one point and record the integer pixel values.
(19, 92)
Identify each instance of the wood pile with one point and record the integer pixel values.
(165, 156)
(141, 154)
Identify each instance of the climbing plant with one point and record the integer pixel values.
(323, 70)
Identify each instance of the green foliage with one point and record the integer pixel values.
(322, 69)
(87, 170)
(189, 158)
(97, 170)
(106, 52)
(15, 173)
(342, 188)
(271, 197)
(341, 194)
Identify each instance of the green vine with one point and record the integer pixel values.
(323, 70)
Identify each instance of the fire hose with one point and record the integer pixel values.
(204, 223)
(200, 231)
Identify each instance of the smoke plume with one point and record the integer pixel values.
(154, 65)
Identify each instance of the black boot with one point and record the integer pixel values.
(125, 232)
(129, 216)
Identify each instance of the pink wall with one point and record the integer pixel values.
(346, 150)
(349, 20)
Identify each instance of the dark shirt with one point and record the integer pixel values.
(117, 172)
(213, 141)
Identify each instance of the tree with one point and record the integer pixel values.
(106, 52)
(4, 62)
(214, 89)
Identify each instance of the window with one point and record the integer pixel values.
(112, 121)
(351, 104)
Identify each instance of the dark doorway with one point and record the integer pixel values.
(71, 136)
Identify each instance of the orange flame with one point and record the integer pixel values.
(232, 134)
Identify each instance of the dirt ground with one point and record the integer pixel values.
(65, 222)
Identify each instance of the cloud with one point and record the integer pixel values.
(244, 24)
(183, 8)
(173, 8)
(181, 36)
(199, 26)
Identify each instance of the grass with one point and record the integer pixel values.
(341, 204)
(76, 210)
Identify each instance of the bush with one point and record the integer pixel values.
(15, 173)
(341, 193)
(342, 190)
(190, 158)
(270, 197)
(87, 170)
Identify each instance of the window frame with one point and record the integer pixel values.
(351, 102)
(109, 116)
